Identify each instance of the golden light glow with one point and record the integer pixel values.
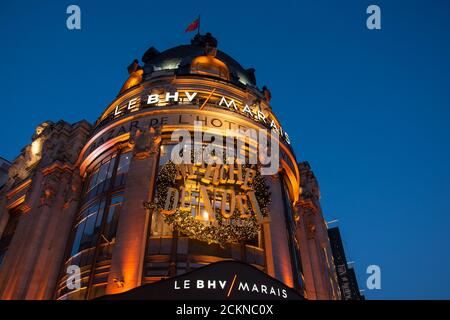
(36, 147)
(192, 85)
(134, 79)
(205, 215)
(210, 66)
(19, 188)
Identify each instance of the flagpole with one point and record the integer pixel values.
(198, 29)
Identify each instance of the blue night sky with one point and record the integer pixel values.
(369, 110)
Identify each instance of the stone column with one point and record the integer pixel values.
(313, 238)
(276, 237)
(50, 259)
(314, 266)
(317, 264)
(129, 251)
(268, 250)
(301, 234)
(11, 278)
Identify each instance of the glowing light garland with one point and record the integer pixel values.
(233, 230)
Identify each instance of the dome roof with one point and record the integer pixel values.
(180, 58)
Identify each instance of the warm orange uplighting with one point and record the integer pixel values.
(209, 65)
(36, 147)
(134, 79)
(205, 215)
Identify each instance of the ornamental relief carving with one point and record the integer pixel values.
(72, 189)
(22, 167)
(145, 142)
(58, 148)
(50, 189)
(310, 229)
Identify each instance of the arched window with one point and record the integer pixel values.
(211, 66)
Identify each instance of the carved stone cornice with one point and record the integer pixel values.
(18, 188)
(58, 166)
(309, 204)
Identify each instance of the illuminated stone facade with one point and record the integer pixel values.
(75, 196)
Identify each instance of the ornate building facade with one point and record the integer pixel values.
(107, 198)
(4, 168)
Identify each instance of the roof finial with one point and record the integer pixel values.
(207, 41)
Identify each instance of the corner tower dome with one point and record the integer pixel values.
(200, 57)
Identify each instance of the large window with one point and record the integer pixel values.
(100, 179)
(94, 233)
(113, 218)
(87, 230)
(122, 169)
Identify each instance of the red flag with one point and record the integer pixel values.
(193, 26)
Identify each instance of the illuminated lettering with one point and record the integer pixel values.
(153, 98)
(190, 96)
(173, 96)
(228, 104)
(132, 103)
(247, 110)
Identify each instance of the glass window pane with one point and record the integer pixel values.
(86, 239)
(122, 169)
(93, 180)
(102, 173)
(165, 153)
(99, 180)
(111, 167)
(77, 239)
(117, 199)
(113, 217)
(99, 210)
(124, 163)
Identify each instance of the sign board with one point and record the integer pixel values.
(223, 280)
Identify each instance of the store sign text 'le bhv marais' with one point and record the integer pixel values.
(187, 97)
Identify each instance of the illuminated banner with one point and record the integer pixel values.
(212, 203)
(233, 280)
